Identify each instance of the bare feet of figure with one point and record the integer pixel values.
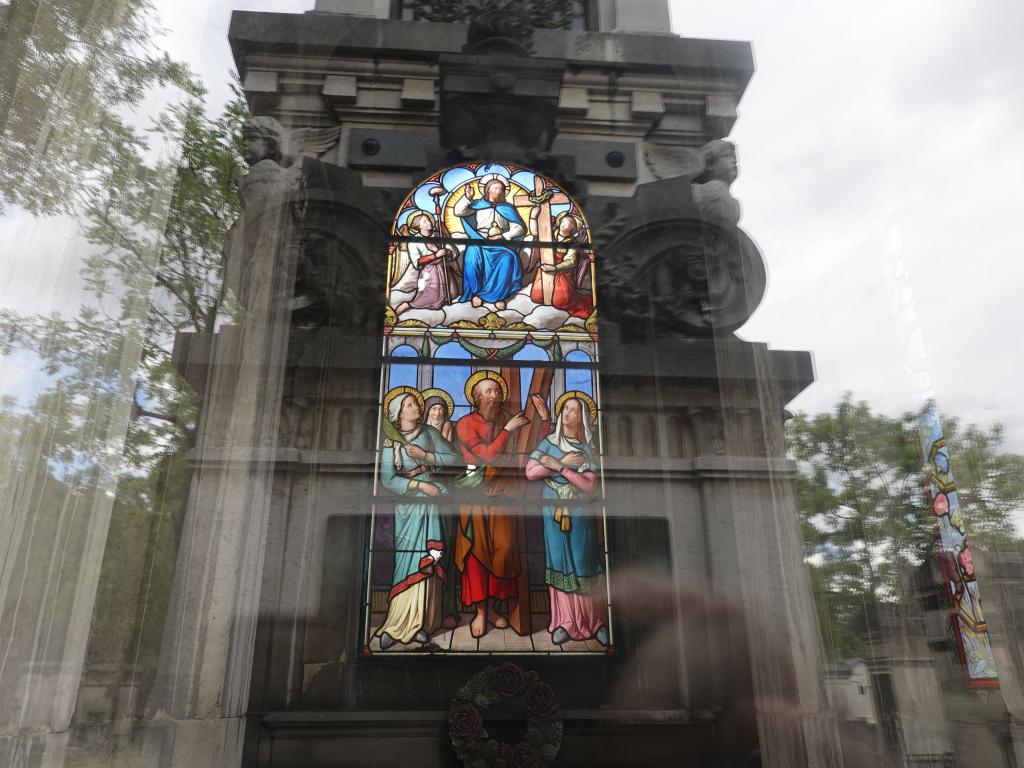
(403, 307)
(477, 302)
(496, 618)
(478, 627)
(500, 305)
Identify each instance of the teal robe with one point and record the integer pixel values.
(417, 517)
(573, 559)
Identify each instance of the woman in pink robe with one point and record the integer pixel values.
(574, 561)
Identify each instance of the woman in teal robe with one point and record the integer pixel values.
(411, 455)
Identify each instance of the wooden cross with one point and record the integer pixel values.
(544, 233)
(525, 441)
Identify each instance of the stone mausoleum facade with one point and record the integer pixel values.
(462, 202)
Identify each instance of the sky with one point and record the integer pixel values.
(881, 164)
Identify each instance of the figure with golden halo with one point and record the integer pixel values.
(438, 408)
(408, 467)
(435, 284)
(565, 463)
(569, 272)
(491, 537)
(491, 272)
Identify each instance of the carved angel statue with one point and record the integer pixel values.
(274, 156)
(711, 189)
(275, 172)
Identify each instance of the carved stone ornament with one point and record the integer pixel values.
(501, 25)
(712, 188)
(499, 108)
(675, 261)
(549, 14)
(495, 685)
(682, 277)
(272, 155)
(271, 196)
(669, 161)
(709, 429)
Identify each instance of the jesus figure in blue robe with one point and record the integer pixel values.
(492, 272)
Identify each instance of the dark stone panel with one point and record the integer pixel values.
(420, 39)
(607, 160)
(689, 361)
(390, 150)
(609, 740)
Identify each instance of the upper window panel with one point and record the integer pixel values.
(496, 247)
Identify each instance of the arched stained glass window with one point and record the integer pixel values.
(488, 520)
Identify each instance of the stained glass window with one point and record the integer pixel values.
(489, 532)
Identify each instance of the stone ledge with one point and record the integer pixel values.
(595, 739)
(313, 34)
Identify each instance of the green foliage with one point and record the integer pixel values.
(864, 517)
(157, 235)
(71, 74)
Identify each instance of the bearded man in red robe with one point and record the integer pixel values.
(491, 537)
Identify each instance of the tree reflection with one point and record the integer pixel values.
(116, 416)
(71, 74)
(866, 523)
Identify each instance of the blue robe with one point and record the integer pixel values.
(573, 559)
(492, 272)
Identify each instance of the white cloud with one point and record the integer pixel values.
(198, 34)
(885, 114)
(42, 256)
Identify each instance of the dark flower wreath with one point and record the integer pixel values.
(473, 744)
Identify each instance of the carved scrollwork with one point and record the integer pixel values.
(683, 278)
(549, 14)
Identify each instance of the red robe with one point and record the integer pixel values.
(488, 532)
(566, 294)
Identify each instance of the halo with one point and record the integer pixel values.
(583, 397)
(479, 376)
(485, 180)
(454, 224)
(417, 212)
(571, 215)
(399, 392)
(434, 392)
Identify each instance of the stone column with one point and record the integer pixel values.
(794, 724)
(641, 16)
(206, 661)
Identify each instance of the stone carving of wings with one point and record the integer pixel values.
(309, 142)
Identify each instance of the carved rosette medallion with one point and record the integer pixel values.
(684, 277)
